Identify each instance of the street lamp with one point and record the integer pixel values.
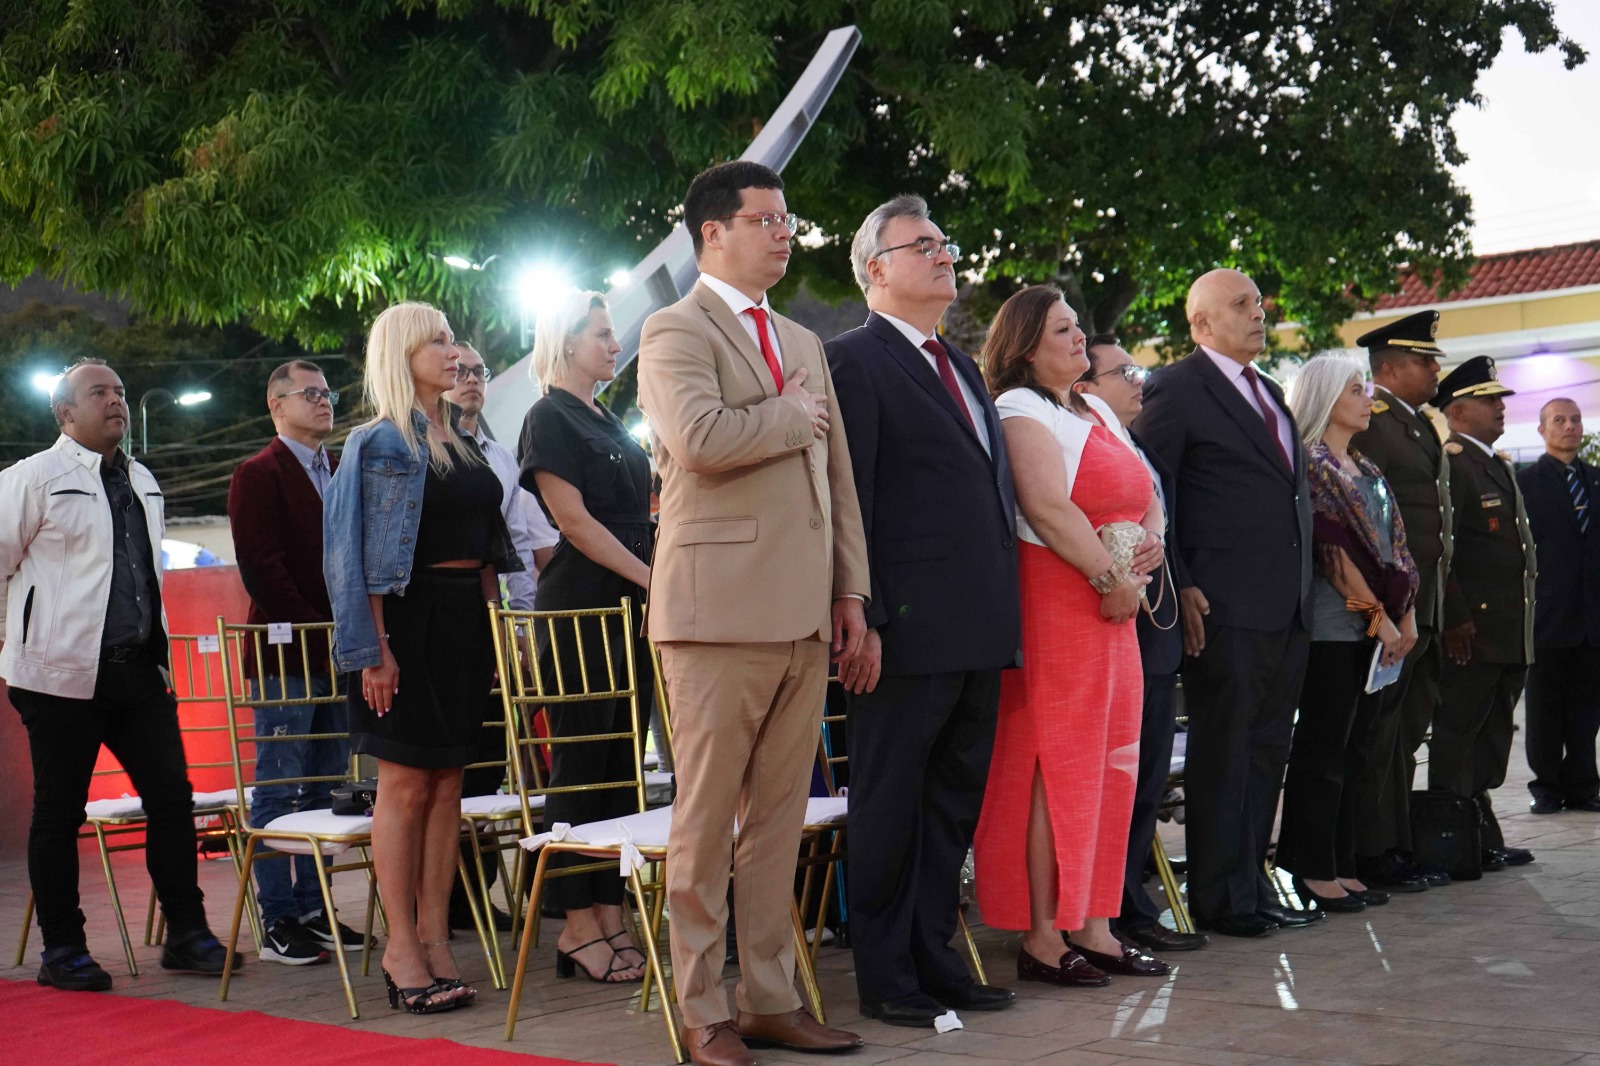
(46, 382)
(186, 399)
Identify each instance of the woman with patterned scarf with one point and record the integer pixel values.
(1362, 597)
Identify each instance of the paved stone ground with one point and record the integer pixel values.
(1502, 970)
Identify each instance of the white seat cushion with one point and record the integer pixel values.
(627, 834)
(499, 806)
(322, 823)
(1180, 748)
(826, 810)
(658, 788)
(216, 800)
(124, 806)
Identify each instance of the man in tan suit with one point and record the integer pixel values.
(760, 563)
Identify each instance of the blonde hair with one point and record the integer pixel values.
(1317, 388)
(390, 389)
(551, 356)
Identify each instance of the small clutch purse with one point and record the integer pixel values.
(1121, 541)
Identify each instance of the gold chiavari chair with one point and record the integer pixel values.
(118, 824)
(1158, 850)
(318, 833)
(492, 825)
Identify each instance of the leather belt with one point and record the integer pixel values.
(124, 655)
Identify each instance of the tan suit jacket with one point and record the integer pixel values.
(760, 525)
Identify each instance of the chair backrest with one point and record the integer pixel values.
(533, 676)
(831, 754)
(262, 667)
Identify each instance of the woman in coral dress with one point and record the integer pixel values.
(1051, 842)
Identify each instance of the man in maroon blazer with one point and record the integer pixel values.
(275, 507)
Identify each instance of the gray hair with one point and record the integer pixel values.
(63, 393)
(1316, 389)
(869, 238)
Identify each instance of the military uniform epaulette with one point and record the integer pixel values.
(1453, 448)
(1378, 407)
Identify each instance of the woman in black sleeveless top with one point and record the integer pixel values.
(593, 480)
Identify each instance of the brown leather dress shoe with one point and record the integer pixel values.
(716, 1045)
(795, 1031)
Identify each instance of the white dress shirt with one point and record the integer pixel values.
(739, 303)
(520, 585)
(1486, 449)
(918, 339)
(1233, 370)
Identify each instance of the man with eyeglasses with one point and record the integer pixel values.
(759, 562)
(85, 654)
(535, 540)
(934, 482)
(1119, 381)
(275, 510)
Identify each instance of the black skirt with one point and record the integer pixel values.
(440, 638)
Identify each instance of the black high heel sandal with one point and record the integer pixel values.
(644, 960)
(1350, 903)
(567, 965)
(451, 984)
(415, 1000)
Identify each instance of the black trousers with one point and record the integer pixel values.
(481, 781)
(1156, 730)
(1241, 693)
(1563, 716)
(919, 760)
(133, 715)
(1330, 762)
(1383, 784)
(590, 762)
(1472, 733)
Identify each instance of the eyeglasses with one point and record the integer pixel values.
(467, 373)
(315, 395)
(1132, 373)
(768, 219)
(927, 246)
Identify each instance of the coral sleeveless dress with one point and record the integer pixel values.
(1073, 709)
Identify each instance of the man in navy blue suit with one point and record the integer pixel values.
(1563, 694)
(924, 694)
(1244, 537)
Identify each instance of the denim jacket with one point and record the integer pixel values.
(369, 533)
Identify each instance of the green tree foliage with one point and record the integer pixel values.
(299, 163)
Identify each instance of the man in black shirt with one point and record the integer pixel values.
(84, 652)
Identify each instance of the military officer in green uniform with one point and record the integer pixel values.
(1402, 441)
(1488, 608)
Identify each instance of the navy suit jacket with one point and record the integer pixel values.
(1244, 532)
(1161, 650)
(939, 512)
(1566, 610)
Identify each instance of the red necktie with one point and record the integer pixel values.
(766, 345)
(947, 374)
(1268, 414)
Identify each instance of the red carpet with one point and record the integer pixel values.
(52, 1028)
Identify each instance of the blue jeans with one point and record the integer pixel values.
(276, 760)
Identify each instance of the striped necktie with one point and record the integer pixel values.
(1580, 496)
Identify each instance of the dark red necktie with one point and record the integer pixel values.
(1269, 415)
(947, 374)
(766, 345)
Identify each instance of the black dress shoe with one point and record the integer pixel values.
(1160, 938)
(1284, 918)
(1130, 962)
(197, 951)
(1491, 860)
(1349, 903)
(1073, 971)
(1515, 856)
(1591, 805)
(916, 1011)
(1392, 871)
(973, 996)
(1372, 897)
(1246, 925)
(1547, 805)
(462, 919)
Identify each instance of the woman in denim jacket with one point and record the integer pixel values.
(413, 544)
